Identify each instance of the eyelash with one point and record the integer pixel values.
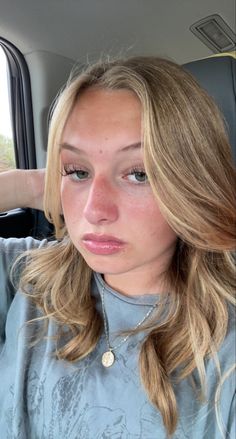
(72, 170)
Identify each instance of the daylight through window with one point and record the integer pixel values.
(7, 155)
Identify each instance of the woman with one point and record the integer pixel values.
(124, 326)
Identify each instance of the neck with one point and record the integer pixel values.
(136, 284)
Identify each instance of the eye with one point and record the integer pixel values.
(137, 176)
(75, 173)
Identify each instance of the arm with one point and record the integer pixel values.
(21, 188)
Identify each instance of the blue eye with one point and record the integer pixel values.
(75, 174)
(80, 174)
(137, 176)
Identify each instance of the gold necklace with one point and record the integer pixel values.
(108, 357)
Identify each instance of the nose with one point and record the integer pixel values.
(101, 206)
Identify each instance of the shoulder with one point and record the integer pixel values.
(11, 248)
(16, 245)
(20, 243)
(223, 381)
(219, 367)
(227, 351)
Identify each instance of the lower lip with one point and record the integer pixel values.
(103, 247)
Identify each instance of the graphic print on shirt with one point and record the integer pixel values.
(73, 419)
(69, 409)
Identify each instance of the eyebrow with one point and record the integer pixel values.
(133, 146)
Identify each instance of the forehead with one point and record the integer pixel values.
(101, 117)
(112, 105)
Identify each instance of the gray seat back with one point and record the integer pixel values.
(217, 76)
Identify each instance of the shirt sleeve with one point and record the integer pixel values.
(232, 419)
(227, 355)
(10, 249)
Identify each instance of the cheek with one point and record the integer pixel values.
(144, 210)
(65, 197)
(70, 201)
(148, 217)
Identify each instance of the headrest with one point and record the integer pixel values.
(217, 75)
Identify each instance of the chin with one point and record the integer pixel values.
(105, 265)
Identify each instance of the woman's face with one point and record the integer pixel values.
(109, 208)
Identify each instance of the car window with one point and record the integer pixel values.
(7, 153)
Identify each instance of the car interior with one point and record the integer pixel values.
(43, 41)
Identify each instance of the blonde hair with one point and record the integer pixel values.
(189, 165)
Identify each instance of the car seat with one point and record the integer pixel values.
(217, 75)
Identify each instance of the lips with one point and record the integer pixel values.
(102, 244)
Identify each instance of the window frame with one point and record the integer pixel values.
(20, 102)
